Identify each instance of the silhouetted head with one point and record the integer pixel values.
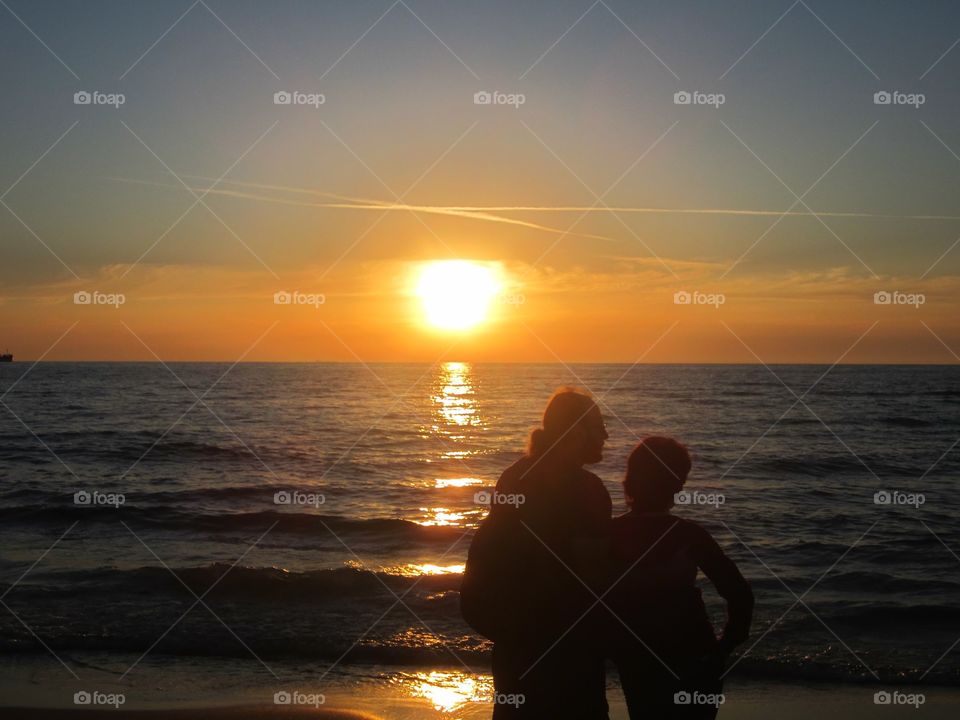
(572, 431)
(656, 471)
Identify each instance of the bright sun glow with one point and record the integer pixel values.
(456, 294)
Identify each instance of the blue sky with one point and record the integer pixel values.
(398, 79)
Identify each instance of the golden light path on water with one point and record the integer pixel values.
(440, 483)
(409, 569)
(447, 691)
(418, 569)
(455, 398)
(455, 414)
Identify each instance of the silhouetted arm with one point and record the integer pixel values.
(732, 587)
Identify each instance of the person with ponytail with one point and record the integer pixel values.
(535, 564)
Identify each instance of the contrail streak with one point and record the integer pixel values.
(486, 212)
(365, 204)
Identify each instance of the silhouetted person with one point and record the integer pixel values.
(544, 543)
(670, 661)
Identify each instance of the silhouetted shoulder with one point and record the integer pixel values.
(511, 478)
(597, 492)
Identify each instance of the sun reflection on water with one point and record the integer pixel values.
(445, 517)
(440, 483)
(455, 395)
(418, 569)
(447, 691)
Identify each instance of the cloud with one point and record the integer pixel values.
(485, 210)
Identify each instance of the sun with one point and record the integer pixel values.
(457, 294)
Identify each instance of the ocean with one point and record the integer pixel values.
(322, 512)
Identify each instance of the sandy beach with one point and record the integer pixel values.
(745, 701)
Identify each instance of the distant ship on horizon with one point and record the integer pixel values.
(6, 357)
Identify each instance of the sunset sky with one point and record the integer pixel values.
(593, 202)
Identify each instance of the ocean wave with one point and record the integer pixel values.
(387, 530)
(321, 587)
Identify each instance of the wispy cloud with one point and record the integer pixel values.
(352, 203)
(495, 213)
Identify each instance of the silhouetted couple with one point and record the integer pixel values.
(560, 587)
